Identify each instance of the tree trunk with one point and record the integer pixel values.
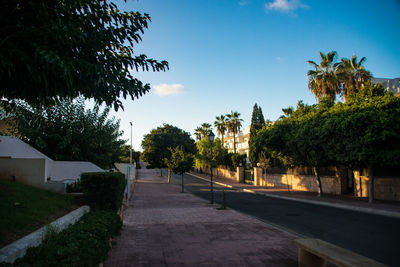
(169, 176)
(234, 142)
(318, 181)
(370, 185)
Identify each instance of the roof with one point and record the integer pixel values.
(11, 146)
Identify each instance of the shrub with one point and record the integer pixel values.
(75, 187)
(104, 190)
(238, 160)
(85, 243)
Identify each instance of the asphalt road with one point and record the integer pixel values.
(376, 237)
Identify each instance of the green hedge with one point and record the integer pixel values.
(104, 190)
(85, 243)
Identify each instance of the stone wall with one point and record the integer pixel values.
(237, 175)
(333, 184)
(385, 188)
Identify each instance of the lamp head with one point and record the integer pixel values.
(211, 136)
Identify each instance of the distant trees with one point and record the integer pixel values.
(205, 129)
(202, 131)
(179, 162)
(220, 125)
(203, 156)
(125, 155)
(330, 78)
(257, 123)
(223, 123)
(234, 125)
(67, 131)
(156, 144)
(58, 50)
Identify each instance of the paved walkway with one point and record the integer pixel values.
(163, 227)
(340, 201)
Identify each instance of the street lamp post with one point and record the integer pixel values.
(130, 155)
(211, 139)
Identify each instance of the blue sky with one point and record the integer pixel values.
(229, 54)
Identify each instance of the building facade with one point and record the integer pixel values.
(242, 141)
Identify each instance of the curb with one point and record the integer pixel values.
(18, 248)
(385, 213)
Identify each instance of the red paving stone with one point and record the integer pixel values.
(163, 227)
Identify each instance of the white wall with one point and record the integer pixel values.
(12, 147)
(71, 170)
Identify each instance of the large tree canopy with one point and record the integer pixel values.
(67, 131)
(364, 132)
(156, 144)
(59, 49)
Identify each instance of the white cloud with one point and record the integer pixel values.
(285, 6)
(243, 2)
(169, 89)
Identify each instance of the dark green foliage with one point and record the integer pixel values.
(239, 160)
(364, 133)
(104, 190)
(156, 144)
(75, 187)
(179, 161)
(67, 131)
(220, 153)
(85, 243)
(125, 156)
(257, 123)
(54, 50)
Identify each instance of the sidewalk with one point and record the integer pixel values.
(163, 227)
(338, 201)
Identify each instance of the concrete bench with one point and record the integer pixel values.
(315, 253)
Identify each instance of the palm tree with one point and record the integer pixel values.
(352, 74)
(234, 124)
(323, 80)
(198, 134)
(220, 125)
(205, 129)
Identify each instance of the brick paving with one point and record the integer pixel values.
(163, 227)
(347, 200)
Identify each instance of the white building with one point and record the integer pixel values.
(26, 164)
(242, 141)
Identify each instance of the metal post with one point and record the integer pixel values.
(211, 176)
(128, 184)
(130, 157)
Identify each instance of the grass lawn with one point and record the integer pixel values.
(24, 209)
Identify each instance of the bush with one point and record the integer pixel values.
(85, 243)
(104, 190)
(239, 160)
(75, 187)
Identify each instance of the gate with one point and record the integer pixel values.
(249, 176)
